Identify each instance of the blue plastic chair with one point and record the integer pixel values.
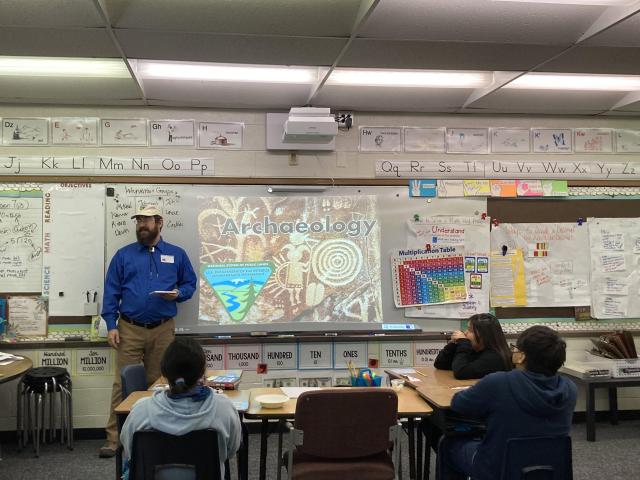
(538, 458)
(133, 378)
(525, 458)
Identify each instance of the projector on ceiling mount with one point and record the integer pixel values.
(310, 125)
(303, 128)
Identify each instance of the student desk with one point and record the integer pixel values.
(591, 384)
(14, 370)
(437, 387)
(240, 399)
(410, 405)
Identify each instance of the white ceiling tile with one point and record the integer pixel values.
(229, 48)
(446, 55)
(89, 90)
(392, 99)
(49, 13)
(224, 94)
(480, 21)
(277, 17)
(592, 59)
(549, 101)
(625, 34)
(55, 42)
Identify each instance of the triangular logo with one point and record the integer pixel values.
(237, 285)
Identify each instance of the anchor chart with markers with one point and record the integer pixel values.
(424, 278)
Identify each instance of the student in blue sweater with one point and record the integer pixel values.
(526, 402)
(187, 405)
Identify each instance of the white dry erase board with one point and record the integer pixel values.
(294, 261)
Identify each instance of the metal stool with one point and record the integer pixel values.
(37, 387)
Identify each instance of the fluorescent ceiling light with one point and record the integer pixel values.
(575, 2)
(566, 81)
(409, 78)
(63, 67)
(226, 73)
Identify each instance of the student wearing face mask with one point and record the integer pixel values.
(480, 350)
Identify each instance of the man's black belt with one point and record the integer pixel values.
(149, 325)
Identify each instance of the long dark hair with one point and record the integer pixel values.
(488, 332)
(183, 364)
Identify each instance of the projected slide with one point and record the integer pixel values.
(289, 259)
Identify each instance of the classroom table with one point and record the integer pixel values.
(591, 384)
(436, 387)
(410, 405)
(14, 370)
(240, 399)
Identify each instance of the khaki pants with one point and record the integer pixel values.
(137, 345)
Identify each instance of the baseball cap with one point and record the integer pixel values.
(148, 211)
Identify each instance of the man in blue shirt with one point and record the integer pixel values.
(526, 402)
(144, 282)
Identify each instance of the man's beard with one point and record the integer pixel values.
(146, 235)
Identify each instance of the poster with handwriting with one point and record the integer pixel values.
(424, 140)
(552, 140)
(20, 240)
(628, 141)
(27, 315)
(615, 267)
(593, 140)
(73, 249)
(555, 266)
(123, 132)
(510, 140)
(222, 136)
(467, 140)
(123, 200)
(25, 131)
(74, 131)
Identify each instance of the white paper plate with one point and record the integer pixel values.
(272, 401)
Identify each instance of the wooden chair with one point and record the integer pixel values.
(344, 434)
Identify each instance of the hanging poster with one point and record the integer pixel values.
(20, 240)
(25, 131)
(556, 273)
(423, 276)
(510, 140)
(615, 267)
(223, 136)
(467, 140)
(123, 132)
(593, 140)
(74, 131)
(380, 139)
(469, 233)
(552, 140)
(172, 133)
(424, 140)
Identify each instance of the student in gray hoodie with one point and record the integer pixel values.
(186, 406)
(529, 402)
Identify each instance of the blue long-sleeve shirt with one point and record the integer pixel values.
(135, 272)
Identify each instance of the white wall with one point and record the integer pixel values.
(92, 393)
(254, 161)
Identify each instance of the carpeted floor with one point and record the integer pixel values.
(614, 457)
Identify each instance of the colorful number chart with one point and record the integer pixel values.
(423, 278)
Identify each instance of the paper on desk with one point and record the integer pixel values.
(412, 379)
(403, 371)
(295, 392)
